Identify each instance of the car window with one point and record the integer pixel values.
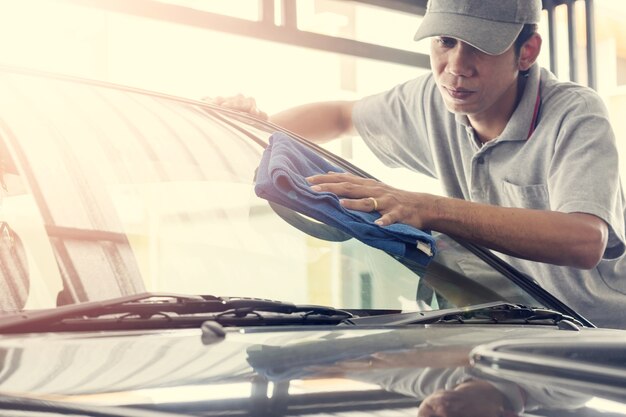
(117, 192)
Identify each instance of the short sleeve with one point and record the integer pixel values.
(393, 125)
(584, 172)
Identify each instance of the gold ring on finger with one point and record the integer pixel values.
(375, 203)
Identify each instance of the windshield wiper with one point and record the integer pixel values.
(489, 313)
(22, 321)
(161, 309)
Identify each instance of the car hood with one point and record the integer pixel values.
(164, 369)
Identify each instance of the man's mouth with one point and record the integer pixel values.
(459, 93)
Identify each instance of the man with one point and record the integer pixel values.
(529, 164)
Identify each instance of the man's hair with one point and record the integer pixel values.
(528, 30)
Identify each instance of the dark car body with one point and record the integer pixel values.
(141, 275)
(283, 371)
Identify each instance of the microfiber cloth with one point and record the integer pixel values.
(281, 179)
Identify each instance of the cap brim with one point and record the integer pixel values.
(491, 37)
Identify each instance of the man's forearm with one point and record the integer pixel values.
(571, 239)
(319, 122)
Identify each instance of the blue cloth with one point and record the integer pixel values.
(281, 179)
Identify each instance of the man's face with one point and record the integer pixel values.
(473, 82)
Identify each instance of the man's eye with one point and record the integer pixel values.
(446, 42)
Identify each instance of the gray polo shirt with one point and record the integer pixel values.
(557, 152)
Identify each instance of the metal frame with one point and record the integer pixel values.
(265, 28)
(549, 6)
(287, 31)
(591, 44)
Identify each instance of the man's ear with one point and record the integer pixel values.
(529, 52)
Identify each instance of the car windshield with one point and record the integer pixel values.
(110, 191)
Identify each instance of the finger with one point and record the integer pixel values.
(238, 102)
(245, 103)
(363, 204)
(344, 189)
(329, 177)
(255, 111)
(343, 177)
(386, 219)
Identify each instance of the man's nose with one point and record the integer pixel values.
(460, 61)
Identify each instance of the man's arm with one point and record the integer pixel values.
(569, 239)
(319, 122)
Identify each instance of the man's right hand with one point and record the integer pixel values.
(238, 102)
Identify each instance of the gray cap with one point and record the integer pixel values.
(489, 25)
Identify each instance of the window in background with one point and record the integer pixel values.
(562, 43)
(182, 60)
(611, 66)
(243, 9)
(59, 37)
(361, 22)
